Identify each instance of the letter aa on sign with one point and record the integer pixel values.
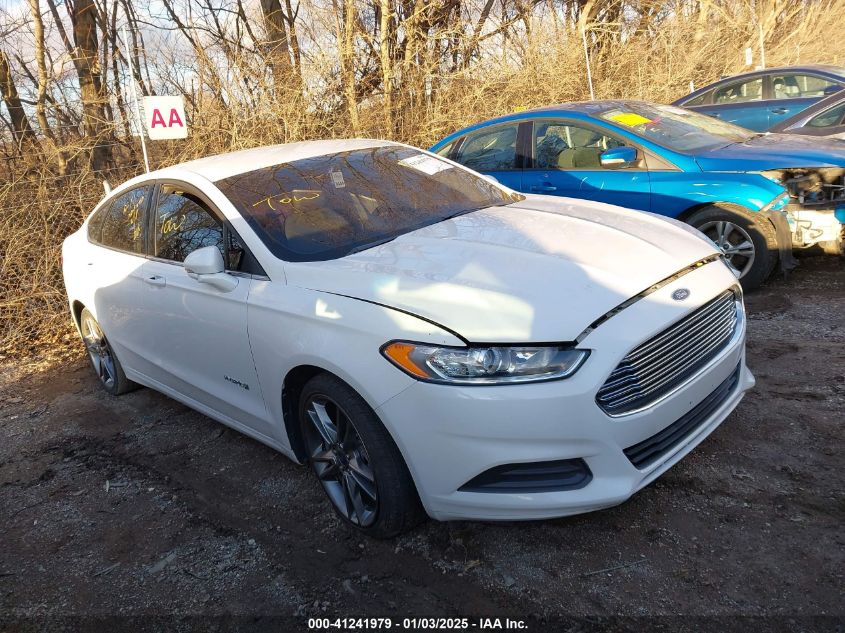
(165, 118)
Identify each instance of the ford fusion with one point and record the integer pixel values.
(429, 341)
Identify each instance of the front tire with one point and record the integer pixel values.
(747, 240)
(358, 464)
(102, 356)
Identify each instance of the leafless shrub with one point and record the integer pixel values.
(412, 71)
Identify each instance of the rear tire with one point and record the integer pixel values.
(747, 240)
(102, 356)
(356, 461)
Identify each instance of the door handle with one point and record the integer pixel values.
(156, 280)
(778, 110)
(543, 188)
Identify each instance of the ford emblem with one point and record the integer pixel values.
(680, 294)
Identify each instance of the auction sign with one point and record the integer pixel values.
(165, 118)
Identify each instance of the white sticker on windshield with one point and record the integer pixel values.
(426, 164)
(337, 179)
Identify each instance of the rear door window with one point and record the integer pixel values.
(740, 92)
(122, 224)
(490, 149)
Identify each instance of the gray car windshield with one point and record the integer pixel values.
(325, 207)
(675, 128)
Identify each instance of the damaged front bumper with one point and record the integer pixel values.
(817, 230)
(816, 212)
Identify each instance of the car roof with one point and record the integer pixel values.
(222, 166)
(583, 108)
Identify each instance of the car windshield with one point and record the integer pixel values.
(675, 128)
(325, 207)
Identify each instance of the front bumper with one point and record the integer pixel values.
(816, 229)
(449, 435)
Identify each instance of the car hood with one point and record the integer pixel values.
(773, 151)
(541, 270)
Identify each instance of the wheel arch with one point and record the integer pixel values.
(292, 386)
(686, 213)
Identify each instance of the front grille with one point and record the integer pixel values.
(650, 450)
(665, 361)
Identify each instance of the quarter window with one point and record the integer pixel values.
(122, 224)
(699, 100)
(797, 86)
(490, 150)
(564, 146)
(446, 149)
(751, 90)
(183, 224)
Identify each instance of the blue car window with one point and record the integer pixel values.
(793, 86)
(564, 146)
(740, 92)
(699, 100)
(490, 149)
(831, 117)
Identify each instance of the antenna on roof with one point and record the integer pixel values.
(106, 187)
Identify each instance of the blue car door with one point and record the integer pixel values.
(739, 102)
(493, 152)
(564, 161)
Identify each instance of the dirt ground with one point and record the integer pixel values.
(137, 506)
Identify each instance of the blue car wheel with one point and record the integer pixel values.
(747, 240)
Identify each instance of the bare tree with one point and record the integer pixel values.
(24, 135)
(87, 63)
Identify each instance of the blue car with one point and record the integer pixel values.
(761, 99)
(677, 163)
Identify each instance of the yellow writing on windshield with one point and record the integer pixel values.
(286, 198)
(629, 118)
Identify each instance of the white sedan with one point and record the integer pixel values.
(428, 340)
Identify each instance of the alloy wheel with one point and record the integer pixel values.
(734, 242)
(340, 460)
(100, 352)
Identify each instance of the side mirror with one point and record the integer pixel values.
(619, 157)
(490, 178)
(832, 90)
(206, 266)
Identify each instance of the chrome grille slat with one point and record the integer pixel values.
(707, 339)
(646, 387)
(640, 370)
(655, 367)
(668, 334)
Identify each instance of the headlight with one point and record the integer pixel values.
(484, 365)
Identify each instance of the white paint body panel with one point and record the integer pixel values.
(539, 271)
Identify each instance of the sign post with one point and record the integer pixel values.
(164, 118)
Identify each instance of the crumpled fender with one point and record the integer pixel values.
(784, 237)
